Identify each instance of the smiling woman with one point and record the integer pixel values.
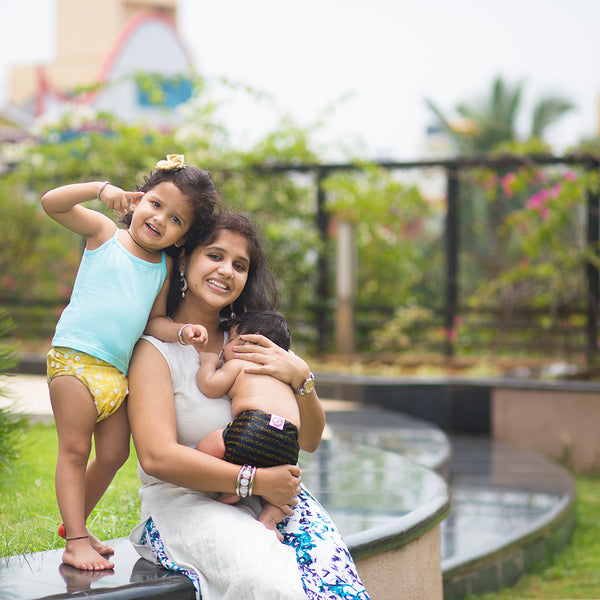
(223, 548)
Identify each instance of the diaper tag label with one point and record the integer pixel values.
(277, 422)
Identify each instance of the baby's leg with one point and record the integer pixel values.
(111, 441)
(75, 416)
(214, 444)
(270, 516)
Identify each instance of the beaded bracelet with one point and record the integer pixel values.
(102, 186)
(245, 481)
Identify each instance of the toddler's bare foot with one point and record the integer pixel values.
(81, 555)
(270, 523)
(99, 546)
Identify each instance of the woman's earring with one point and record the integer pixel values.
(184, 285)
(232, 315)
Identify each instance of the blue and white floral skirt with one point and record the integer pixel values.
(326, 567)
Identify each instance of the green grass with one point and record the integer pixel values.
(29, 519)
(29, 516)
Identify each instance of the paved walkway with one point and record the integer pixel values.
(27, 394)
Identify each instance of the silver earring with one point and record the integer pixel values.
(184, 285)
(232, 315)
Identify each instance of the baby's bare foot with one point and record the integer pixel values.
(228, 498)
(270, 523)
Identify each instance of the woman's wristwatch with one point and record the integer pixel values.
(307, 387)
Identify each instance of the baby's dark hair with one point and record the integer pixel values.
(270, 324)
(198, 187)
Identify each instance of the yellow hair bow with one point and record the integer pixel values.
(174, 161)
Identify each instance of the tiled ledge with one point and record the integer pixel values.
(556, 418)
(505, 565)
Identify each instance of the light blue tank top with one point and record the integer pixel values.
(112, 297)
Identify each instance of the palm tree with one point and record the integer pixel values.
(491, 121)
(483, 126)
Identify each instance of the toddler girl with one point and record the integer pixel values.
(122, 282)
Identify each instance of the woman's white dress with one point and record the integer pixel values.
(226, 552)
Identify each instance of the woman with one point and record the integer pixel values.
(226, 552)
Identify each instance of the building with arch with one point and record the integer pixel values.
(107, 52)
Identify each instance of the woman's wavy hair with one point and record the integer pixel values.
(197, 186)
(260, 292)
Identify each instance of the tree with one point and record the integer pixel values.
(489, 125)
(488, 122)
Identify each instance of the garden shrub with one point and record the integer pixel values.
(11, 423)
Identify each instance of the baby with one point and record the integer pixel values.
(264, 430)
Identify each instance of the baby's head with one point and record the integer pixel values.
(270, 324)
(195, 184)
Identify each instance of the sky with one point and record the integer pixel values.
(375, 62)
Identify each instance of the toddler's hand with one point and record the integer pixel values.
(196, 335)
(117, 199)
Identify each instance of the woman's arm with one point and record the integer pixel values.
(151, 410)
(271, 359)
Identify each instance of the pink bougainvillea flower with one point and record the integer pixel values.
(490, 181)
(570, 176)
(534, 203)
(507, 182)
(555, 190)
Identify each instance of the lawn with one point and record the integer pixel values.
(29, 516)
(29, 519)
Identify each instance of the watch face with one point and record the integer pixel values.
(309, 386)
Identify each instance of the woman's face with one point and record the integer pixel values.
(217, 273)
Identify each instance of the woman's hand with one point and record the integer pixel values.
(272, 359)
(278, 486)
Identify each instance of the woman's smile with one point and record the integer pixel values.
(218, 284)
(220, 268)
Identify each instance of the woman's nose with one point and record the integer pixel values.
(226, 268)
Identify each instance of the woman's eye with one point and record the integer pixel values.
(240, 267)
